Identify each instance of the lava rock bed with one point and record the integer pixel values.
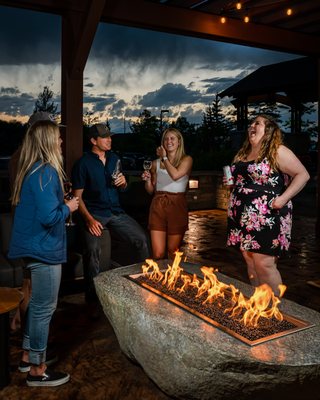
(216, 311)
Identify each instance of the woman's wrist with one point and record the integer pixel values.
(163, 159)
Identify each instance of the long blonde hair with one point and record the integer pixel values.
(40, 144)
(271, 141)
(180, 153)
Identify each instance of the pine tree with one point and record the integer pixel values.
(45, 102)
(214, 129)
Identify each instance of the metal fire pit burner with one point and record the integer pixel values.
(299, 324)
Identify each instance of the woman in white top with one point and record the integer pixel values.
(167, 180)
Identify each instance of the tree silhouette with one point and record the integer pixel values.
(45, 102)
(214, 130)
(89, 118)
(144, 133)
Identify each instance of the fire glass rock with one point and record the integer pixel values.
(216, 311)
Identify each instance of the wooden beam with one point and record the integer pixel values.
(71, 99)
(78, 30)
(84, 36)
(155, 16)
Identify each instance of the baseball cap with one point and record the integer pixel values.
(41, 116)
(99, 130)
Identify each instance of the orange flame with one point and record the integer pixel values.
(263, 302)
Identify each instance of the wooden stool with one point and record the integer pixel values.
(9, 299)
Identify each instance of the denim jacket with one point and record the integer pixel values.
(39, 221)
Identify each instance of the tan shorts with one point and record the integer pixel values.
(169, 213)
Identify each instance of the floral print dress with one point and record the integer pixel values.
(252, 224)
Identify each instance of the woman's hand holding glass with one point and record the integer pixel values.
(73, 204)
(146, 175)
(70, 201)
(226, 182)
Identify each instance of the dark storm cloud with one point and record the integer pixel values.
(118, 108)
(173, 51)
(9, 91)
(193, 116)
(15, 103)
(28, 37)
(99, 102)
(169, 95)
(217, 85)
(109, 99)
(33, 37)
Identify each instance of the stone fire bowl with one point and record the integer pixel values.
(190, 359)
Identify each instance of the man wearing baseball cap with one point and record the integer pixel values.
(96, 180)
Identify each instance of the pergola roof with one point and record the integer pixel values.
(269, 28)
(296, 78)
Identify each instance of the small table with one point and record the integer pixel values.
(9, 300)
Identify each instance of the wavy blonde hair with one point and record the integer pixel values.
(271, 141)
(180, 153)
(41, 143)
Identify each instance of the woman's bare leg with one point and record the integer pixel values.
(252, 273)
(267, 271)
(158, 243)
(174, 242)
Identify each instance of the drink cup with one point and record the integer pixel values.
(228, 175)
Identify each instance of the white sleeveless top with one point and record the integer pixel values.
(166, 184)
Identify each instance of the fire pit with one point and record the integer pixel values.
(253, 321)
(191, 359)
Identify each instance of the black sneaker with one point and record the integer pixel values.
(25, 366)
(48, 378)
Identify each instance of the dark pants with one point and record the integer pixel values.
(97, 250)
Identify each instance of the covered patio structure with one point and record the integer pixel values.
(291, 83)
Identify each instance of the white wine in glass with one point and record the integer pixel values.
(147, 164)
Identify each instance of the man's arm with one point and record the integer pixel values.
(95, 227)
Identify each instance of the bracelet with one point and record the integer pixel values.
(163, 159)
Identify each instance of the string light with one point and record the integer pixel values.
(238, 6)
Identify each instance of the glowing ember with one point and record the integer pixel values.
(262, 304)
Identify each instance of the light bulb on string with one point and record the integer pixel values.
(246, 19)
(223, 20)
(238, 6)
(289, 11)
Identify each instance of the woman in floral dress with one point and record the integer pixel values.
(267, 175)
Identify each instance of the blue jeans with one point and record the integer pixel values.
(45, 283)
(123, 227)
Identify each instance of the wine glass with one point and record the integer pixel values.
(147, 164)
(68, 195)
